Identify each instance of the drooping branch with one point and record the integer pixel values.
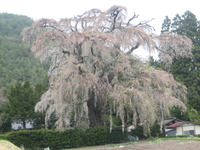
(173, 46)
(133, 48)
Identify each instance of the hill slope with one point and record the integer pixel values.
(16, 61)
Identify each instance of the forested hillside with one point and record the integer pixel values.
(16, 60)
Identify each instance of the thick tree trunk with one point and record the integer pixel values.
(24, 124)
(95, 114)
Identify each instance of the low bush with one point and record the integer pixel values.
(35, 139)
(97, 136)
(183, 136)
(2, 136)
(117, 136)
(155, 131)
(45, 138)
(138, 132)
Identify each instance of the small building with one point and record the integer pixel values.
(176, 127)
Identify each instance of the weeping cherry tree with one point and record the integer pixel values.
(93, 71)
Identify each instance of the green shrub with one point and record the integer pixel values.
(28, 138)
(2, 136)
(117, 136)
(155, 131)
(76, 137)
(182, 136)
(39, 139)
(197, 135)
(138, 132)
(97, 136)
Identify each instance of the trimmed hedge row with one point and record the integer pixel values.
(2, 137)
(34, 139)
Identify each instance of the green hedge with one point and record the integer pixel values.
(46, 138)
(34, 139)
(155, 132)
(117, 136)
(138, 132)
(2, 136)
(97, 136)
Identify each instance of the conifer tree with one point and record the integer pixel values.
(21, 103)
(22, 100)
(166, 25)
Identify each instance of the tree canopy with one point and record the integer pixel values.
(93, 73)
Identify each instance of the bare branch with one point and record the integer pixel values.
(114, 15)
(129, 21)
(143, 23)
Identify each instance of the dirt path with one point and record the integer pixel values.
(161, 145)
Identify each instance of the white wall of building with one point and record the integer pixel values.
(188, 129)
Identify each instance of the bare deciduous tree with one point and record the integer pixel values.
(92, 71)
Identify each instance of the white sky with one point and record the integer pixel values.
(56, 9)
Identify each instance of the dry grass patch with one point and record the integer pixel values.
(5, 145)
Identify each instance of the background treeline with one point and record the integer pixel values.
(186, 70)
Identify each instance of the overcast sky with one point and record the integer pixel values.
(56, 9)
(147, 9)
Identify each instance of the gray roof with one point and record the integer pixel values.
(169, 120)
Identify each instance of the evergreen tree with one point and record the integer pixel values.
(189, 26)
(194, 115)
(166, 25)
(22, 100)
(39, 118)
(176, 112)
(176, 24)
